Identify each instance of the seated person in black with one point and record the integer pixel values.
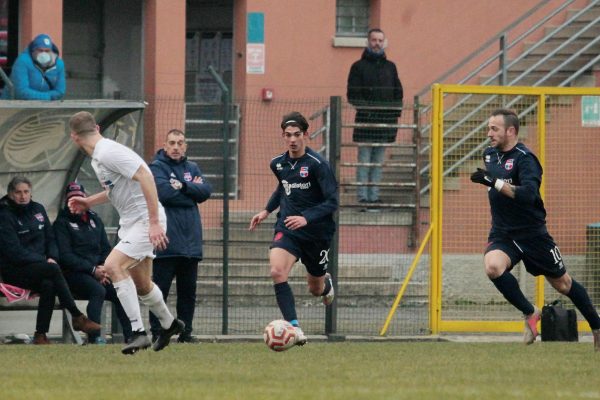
(28, 255)
(83, 247)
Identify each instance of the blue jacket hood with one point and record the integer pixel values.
(43, 40)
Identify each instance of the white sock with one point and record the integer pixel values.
(155, 302)
(127, 294)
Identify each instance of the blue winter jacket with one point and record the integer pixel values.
(184, 226)
(33, 83)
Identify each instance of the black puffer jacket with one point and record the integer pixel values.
(374, 81)
(82, 241)
(26, 235)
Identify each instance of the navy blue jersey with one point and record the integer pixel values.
(524, 216)
(307, 187)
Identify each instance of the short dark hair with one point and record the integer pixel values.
(510, 118)
(175, 131)
(374, 30)
(294, 119)
(12, 185)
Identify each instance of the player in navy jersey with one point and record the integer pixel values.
(307, 197)
(514, 175)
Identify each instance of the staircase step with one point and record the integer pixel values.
(260, 270)
(345, 288)
(262, 234)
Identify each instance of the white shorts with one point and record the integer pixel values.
(134, 240)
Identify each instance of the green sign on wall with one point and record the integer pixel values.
(590, 111)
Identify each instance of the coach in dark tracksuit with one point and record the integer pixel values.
(83, 247)
(28, 257)
(181, 188)
(514, 175)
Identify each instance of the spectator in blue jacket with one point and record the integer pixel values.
(83, 246)
(181, 188)
(28, 257)
(38, 72)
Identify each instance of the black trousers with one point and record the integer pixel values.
(86, 287)
(47, 280)
(186, 271)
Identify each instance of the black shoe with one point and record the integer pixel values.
(186, 338)
(164, 337)
(139, 341)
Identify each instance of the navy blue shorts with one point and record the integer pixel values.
(313, 254)
(540, 254)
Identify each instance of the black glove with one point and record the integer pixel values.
(481, 176)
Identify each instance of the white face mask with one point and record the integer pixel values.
(43, 59)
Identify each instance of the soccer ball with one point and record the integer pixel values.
(279, 335)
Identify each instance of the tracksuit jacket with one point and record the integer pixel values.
(184, 225)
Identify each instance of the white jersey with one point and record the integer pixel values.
(115, 165)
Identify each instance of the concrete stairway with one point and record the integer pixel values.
(362, 280)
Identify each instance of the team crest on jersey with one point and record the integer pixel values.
(92, 223)
(509, 164)
(303, 172)
(187, 176)
(39, 217)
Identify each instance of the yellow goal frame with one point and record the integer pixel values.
(437, 323)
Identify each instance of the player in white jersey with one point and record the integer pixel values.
(128, 184)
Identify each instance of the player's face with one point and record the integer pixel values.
(295, 140)
(376, 41)
(497, 133)
(175, 146)
(21, 194)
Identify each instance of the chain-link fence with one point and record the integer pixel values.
(376, 241)
(558, 132)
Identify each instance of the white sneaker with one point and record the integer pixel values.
(328, 298)
(301, 338)
(531, 321)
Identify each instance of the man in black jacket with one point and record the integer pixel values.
(374, 88)
(28, 257)
(83, 247)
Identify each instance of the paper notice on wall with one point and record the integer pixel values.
(255, 58)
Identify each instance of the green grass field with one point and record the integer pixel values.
(346, 370)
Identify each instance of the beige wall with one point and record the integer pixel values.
(40, 16)
(425, 38)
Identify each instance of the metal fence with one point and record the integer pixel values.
(375, 243)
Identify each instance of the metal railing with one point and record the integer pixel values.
(502, 74)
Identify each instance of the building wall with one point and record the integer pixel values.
(425, 38)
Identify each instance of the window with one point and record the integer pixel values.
(352, 18)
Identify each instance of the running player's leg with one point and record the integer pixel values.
(151, 296)
(498, 260)
(117, 266)
(576, 292)
(315, 257)
(281, 262)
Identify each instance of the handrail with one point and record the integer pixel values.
(524, 73)
(479, 147)
(7, 83)
(488, 43)
(502, 72)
